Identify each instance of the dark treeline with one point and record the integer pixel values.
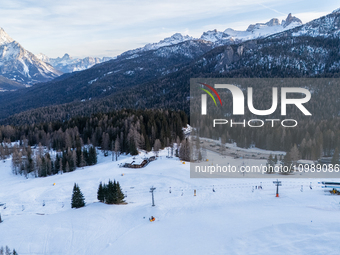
(123, 131)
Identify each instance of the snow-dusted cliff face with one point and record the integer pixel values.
(18, 64)
(172, 40)
(254, 31)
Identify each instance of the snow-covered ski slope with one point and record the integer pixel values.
(232, 220)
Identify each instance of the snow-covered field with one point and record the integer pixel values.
(231, 220)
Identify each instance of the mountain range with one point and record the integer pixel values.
(68, 64)
(158, 75)
(20, 65)
(229, 36)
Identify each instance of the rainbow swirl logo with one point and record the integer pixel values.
(209, 93)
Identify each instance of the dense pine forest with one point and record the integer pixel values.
(74, 142)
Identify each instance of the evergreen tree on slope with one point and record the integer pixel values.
(101, 193)
(78, 199)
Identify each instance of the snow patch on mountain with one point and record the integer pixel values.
(92, 81)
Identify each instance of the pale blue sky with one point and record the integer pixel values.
(109, 27)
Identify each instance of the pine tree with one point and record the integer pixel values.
(78, 199)
(111, 193)
(101, 193)
(86, 156)
(92, 156)
(105, 191)
(120, 195)
(14, 252)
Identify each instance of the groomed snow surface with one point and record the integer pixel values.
(231, 220)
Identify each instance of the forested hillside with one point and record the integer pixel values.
(74, 141)
(268, 58)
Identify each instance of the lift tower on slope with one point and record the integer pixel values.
(151, 190)
(277, 183)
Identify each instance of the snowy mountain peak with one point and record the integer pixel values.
(254, 31)
(212, 36)
(172, 40)
(178, 37)
(273, 22)
(43, 57)
(4, 37)
(18, 64)
(66, 57)
(291, 19)
(270, 23)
